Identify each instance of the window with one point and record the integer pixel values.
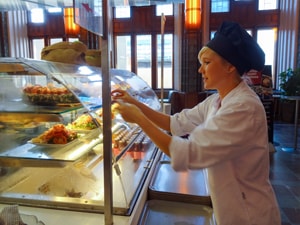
(55, 40)
(55, 10)
(167, 61)
(138, 48)
(212, 34)
(73, 39)
(249, 32)
(38, 45)
(144, 56)
(97, 8)
(122, 11)
(123, 52)
(37, 15)
(219, 6)
(266, 38)
(267, 4)
(167, 10)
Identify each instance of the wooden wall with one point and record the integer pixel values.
(142, 21)
(54, 27)
(246, 13)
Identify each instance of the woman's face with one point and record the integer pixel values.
(213, 69)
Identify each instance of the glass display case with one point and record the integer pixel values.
(51, 133)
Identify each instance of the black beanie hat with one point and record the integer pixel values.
(234, 44)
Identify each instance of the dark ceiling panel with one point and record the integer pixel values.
(9, 5)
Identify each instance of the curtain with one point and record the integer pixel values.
(17, 29)
(287, 49)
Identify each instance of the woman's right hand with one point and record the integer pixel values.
(123, 96)
(129, 112)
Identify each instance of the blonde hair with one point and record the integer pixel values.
(205, 49)
(202, 51)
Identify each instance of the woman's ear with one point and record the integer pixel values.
(230, 68)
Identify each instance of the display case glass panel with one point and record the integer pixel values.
(51, 150)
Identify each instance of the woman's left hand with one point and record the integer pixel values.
(129, 112)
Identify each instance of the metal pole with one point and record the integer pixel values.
(106, 105)
(296, 124)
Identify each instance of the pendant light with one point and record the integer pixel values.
(70, 27)
(192, 14)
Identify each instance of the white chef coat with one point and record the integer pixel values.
(230, 139)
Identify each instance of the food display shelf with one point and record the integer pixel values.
(19, 107)
(49, 155)
(79, 185)
(58, 155)
(55, 146)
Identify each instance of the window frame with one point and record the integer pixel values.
(144, 29)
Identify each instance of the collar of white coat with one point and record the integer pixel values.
(240, 86)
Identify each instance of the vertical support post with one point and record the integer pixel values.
(106, 104)
(296, 123)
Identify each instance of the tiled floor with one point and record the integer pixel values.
(285, 173)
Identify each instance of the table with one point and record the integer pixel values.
(296, 99)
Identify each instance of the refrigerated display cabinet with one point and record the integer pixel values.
(36, 96)
(62, 179)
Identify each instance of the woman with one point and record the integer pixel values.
(227, 131)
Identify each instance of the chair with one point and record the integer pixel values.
(181, 100)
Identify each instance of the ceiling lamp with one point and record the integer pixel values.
(192, 14)
(70, 27)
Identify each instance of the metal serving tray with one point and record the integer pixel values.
(190, 186)
(167, 212)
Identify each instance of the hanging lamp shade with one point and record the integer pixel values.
(70, 27)
(192, 14)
